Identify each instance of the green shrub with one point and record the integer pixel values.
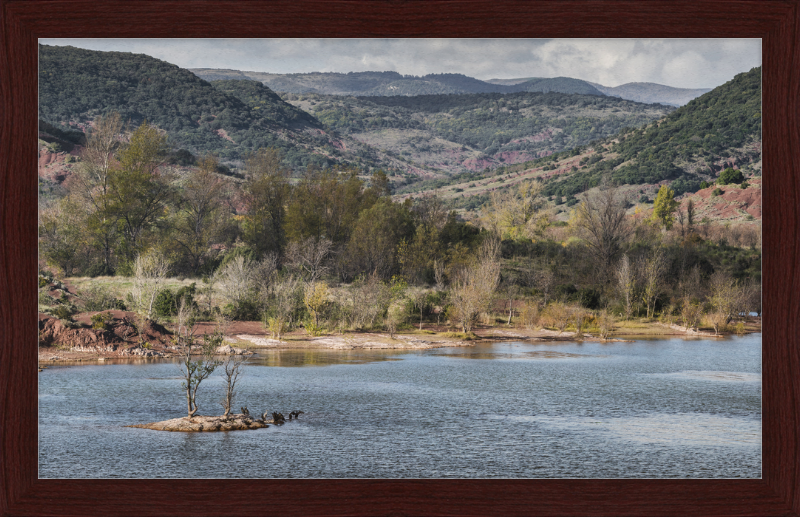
(164, 304)
(42, 282)
(102, 321)
(717, 192)
(312, 329)
(744, 185)
(99, 298)
(730, 175)
(703, 184)
(64, 312)
(245, 310)
(45, 299)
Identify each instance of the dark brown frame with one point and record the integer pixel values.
(777, 22)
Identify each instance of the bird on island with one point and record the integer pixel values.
(245, 411)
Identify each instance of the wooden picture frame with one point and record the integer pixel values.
(776, 22)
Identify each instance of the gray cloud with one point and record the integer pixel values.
(687, 63)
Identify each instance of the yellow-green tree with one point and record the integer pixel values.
(664, 207)
(315, 297)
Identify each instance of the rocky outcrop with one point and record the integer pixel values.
(230, 350)
(115, 338)
(52, 331)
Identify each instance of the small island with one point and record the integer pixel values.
(199, 423)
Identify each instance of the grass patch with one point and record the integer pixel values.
(458, 335)
(121, 285)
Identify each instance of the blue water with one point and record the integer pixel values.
(652, 408)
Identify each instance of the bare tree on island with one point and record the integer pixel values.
(194, 371)
(231, 370)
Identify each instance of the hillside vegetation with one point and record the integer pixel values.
(719, 129)
(395, 84)
(449, 134)
(230, 119)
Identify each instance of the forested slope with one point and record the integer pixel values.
(230, 119)
(719, 129)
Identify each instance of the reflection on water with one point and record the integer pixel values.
(656, 409)
(322, 357)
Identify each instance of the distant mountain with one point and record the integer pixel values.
(359, 84)
(394, 84)
(558, 84)
(640, 92)
(652, 92)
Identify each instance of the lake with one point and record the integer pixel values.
(670, 408)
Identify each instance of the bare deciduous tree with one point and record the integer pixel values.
(420, 299)
(602, 223)
(93, 181)
(199, 221)
(284, 300)
(558, 314)
(235, 279)
(430, 211)
(194, 371)
(726, 298)
(149, 275)
(308, 258)
(438, 274)
(517, 212)
(232, 368)
(691, 311)
(605, 324)
(626, 284)
(652, 269)
(578, 316)
(472, 290)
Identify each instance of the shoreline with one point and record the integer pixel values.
(63, 344)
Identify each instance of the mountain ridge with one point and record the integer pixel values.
(390, 83)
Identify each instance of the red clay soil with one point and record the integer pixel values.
(57, 340)
(52, 165)
(734, 204)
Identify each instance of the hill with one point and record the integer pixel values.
(692, 144)
(229, 118)
(719, 129)
(652, 92)
(356, 84)
(452, 134)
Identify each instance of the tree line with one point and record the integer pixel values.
(332, 250)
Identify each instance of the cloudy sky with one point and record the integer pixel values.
(683, 63)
